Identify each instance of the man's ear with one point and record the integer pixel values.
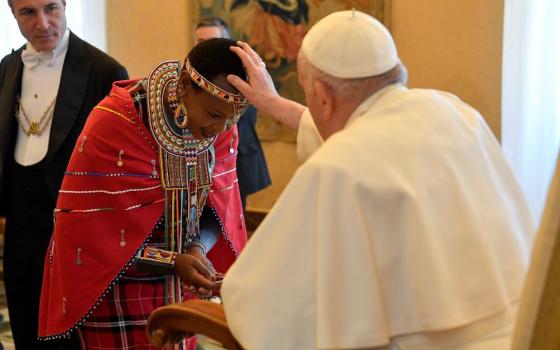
(325, 96)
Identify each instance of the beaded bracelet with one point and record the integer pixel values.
(198, 243)
(157, 257)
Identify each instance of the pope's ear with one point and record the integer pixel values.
(326, 97)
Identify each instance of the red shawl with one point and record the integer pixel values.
(101, 205)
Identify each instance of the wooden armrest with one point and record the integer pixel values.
(171, 323)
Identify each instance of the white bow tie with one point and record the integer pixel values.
(32, 59)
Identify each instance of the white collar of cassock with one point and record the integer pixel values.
(32, 58)
(368, 103)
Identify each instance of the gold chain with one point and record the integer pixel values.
(35, 127)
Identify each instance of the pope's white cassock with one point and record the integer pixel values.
(408, 223)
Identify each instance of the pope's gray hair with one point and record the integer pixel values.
(11, 4)
(346, 88)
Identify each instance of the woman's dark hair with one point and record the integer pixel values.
(213, 59)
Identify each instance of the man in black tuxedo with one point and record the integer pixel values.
(47, 89)
(252, 171)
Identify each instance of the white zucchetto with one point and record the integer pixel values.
(350, 44)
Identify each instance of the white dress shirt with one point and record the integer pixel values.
(39, 87)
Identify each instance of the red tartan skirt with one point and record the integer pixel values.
(119, 322)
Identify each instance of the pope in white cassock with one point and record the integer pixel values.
(405, 229)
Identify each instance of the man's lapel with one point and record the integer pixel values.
(71, 92)
(10, 88)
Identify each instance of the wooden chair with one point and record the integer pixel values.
(170, 324)
(538, 322)
(537, 326)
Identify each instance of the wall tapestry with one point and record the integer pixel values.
(275, 29)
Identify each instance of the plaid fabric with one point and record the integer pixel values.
(119, 321)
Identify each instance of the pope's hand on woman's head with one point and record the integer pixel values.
(260, 88)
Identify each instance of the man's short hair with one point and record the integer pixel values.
(11, 4)
(213, 21)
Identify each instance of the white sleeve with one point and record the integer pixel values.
(304, 275)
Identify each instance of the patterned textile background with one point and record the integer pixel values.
(275, 28)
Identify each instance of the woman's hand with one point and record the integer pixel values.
(198, 253)
(194, 273)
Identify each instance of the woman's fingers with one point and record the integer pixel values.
(201, 268)
(201, 281)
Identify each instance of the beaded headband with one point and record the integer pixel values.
(212, 88)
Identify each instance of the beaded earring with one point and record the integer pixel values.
(181, 116)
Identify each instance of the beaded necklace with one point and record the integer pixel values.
(186, 163)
